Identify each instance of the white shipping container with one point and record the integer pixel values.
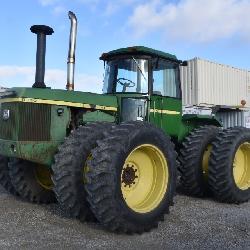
(205, 82)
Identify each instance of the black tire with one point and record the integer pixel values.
(193, 179)
(23, 178)
(5, 177)
(104, 192)
(68, 169)
(221, 178)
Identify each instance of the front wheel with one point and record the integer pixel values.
(5, 177)
(69, 168)
(131, 178)
(32, 181)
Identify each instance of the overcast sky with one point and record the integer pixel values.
(218, 30)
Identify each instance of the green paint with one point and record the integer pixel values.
(39, 152)
(171, 124)
(60, 119)
(98, 116)
(141, 50)
(67, 96)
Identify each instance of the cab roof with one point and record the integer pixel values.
(138, 50)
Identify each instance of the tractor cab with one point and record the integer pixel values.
(141, 70)
(147, 84)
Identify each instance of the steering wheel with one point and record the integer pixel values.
(126, 84)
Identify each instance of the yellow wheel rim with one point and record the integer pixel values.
(205, 161)
(43, 176)
(144, 178)
(241, 166)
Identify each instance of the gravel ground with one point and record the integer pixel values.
(192, 224)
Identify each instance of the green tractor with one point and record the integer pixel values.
(113, 157)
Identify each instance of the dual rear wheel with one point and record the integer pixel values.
(194, 158)
(229, 169)
(217, 162)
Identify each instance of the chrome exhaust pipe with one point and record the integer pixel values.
(71, 54)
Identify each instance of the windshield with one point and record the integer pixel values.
(126, 76)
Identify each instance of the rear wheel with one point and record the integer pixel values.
(194, 157)
(229, 166)
(4, 175)
(32, 181)
(131, 178)
(69, 168)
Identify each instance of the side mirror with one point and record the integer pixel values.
(184, 63)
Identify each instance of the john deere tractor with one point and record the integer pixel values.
(113, 157)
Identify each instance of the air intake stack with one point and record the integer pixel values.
(42, 31)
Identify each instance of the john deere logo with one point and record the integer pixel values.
(6, 114)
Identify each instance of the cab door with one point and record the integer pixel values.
(166, 104)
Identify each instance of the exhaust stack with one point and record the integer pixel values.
(71, 54)
(41, 31)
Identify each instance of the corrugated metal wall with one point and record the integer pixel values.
(205, 82)
(231, 119)
(234, 118)
(248, 87)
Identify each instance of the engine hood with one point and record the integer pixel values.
(61, 97)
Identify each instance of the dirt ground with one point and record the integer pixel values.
(192, 224)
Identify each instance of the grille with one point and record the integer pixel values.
(27, 122)
(34, 123)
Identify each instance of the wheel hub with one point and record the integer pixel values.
(130, 175)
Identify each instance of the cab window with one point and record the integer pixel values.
(165, 78)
